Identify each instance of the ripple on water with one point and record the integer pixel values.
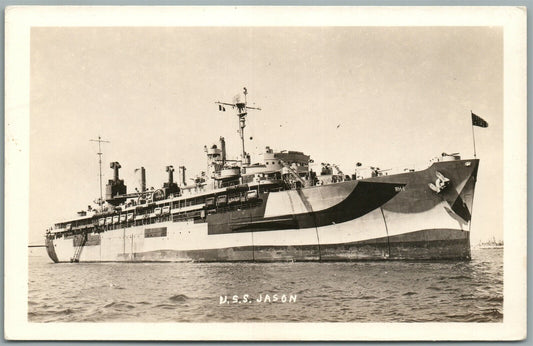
(497, 299)
(179, 298)
(119, 305)
(165, 306)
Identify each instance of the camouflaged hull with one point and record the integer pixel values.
(394, 217)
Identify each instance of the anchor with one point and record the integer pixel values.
(441, 183)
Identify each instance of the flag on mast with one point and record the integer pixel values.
(478, 121)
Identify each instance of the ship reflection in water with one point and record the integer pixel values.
(446, 291)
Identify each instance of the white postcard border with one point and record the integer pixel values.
(19, 20)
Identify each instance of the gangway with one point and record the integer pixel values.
(79, 248)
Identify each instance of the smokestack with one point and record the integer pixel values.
(116, 166)
(116, 186)
(170, 171)
(223, 147)
(142, 179)
(181, 173)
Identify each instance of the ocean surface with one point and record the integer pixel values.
(448, 291)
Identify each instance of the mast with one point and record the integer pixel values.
(99, 153)
(242, 111)
(242, 121)
(473, 135)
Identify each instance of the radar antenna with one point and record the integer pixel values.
(99, 153)
(242, 110)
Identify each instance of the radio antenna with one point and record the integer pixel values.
(99, 153)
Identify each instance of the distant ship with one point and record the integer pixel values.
(491, 244)
(277, 209)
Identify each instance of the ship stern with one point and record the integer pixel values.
(50, 249)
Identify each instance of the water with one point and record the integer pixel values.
(313, 292)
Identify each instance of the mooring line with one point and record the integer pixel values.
(386, 230)
(309, 209)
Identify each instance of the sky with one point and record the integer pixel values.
(384, 96)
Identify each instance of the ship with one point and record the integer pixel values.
(284, 207)
(490, 244)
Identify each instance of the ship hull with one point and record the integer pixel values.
(396, 217)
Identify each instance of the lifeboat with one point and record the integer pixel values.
(252, 195)
(231, 172)
(222, 200)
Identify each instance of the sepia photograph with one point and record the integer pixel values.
(221, 167)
